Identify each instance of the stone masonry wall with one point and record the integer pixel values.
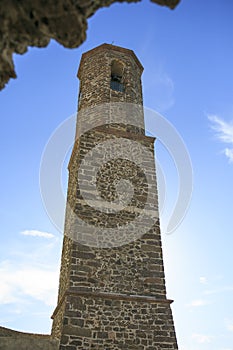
(14, 340)
(95, 66)
(111, 324)
(99, 104)
(24, 343)
(64, 284)
(136, 267)
(112, 292)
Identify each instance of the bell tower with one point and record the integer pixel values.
(112, 292)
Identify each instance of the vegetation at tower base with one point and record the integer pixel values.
(34, 23)
(112, 293)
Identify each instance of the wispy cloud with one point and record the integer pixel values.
(31, 271)
(219, 290)
(165, 91)
(199, 302)
(162, 86)
(202, 338)
(224, 132)
(36, 233)
(20, 282)
(203, 280)
(229, 325)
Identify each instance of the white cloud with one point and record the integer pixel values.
(199, 302)
(229, 154)
(31, 272)
(203, 280)
(20, 282)
(224, 132)
(202, 338)
(36, 233)
(229, 325)
(219, 290)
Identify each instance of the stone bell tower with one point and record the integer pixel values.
(112, 291)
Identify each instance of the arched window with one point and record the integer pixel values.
(117, 76)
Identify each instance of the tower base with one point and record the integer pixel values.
(107, 321)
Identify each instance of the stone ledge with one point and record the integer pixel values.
(125, 134)
(149, 140)
(113, 296)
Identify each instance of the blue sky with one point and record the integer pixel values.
(187, 56)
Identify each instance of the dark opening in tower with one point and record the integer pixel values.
(117, 76)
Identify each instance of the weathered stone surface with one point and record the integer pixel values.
(34, 23)
(14, 340)
(121, 324)
(112, 296)
(24, 343)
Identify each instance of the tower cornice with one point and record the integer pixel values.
(108, 47)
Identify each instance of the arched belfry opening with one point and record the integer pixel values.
(117, 71)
